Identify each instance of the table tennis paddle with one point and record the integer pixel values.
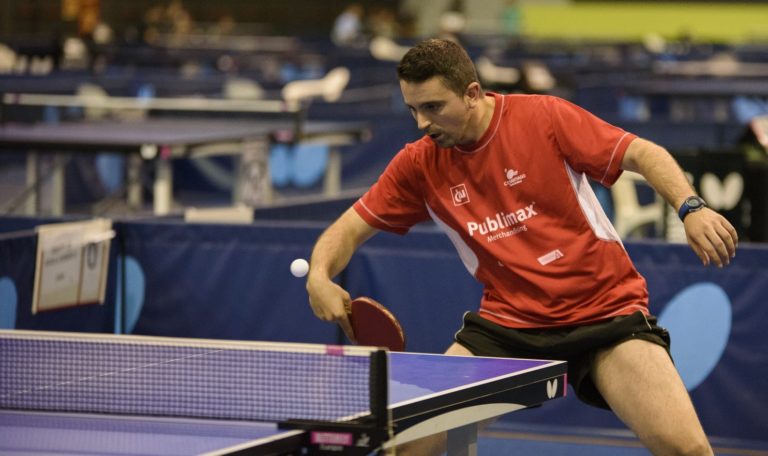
(372, 324)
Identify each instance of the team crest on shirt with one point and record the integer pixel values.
(459, 195)
(512, 177)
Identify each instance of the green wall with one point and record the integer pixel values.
(718, 22)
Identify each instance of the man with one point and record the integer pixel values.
(506, 178)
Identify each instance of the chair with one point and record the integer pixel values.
(7, 59)
(386, 49)
(92, 94)
(75, 54)
(494, 76)
(304, 164)
(629, 215)
(537, 77)
(242, 89)
(330, 87)
(110, 166)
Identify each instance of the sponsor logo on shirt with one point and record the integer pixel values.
(501, 221)
(550, 257)
(513, 177)
(459, 195)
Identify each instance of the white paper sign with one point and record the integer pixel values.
(72, 263)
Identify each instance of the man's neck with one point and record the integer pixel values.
(485, 111)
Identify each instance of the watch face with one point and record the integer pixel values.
(693, 203)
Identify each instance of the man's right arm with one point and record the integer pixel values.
(330, 256)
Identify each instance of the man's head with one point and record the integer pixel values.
(438, 58)
(440, 88)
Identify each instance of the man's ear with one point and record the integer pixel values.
(473, 94)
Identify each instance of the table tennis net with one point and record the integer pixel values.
(137, 375)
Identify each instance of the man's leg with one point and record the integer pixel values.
(640, 383)
(435, 444)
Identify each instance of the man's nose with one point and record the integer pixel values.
(422, 123)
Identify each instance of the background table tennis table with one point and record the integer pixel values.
(427, 394)
(163, 138)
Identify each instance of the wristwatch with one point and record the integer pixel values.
(691, 204)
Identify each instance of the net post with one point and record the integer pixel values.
(379, 388)
(361, 435)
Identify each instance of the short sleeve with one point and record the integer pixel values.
(588, 143)
(395, 202)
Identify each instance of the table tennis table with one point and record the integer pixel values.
(427, 394)
(175, 136)
(692, 98)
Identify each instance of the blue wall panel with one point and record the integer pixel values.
(233, 282)
(229, 282)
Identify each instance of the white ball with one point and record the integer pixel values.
(299, 267)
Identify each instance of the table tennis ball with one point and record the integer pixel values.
(299, 267)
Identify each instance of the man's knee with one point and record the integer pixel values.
(696, 447)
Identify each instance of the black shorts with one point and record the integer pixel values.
(575, 344)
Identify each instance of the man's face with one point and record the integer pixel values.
(440, 112)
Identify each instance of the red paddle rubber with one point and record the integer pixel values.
(374, 325)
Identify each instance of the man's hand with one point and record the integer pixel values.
(711, 236)
(330, 256)
(331, 303)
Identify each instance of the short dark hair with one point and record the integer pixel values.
(442, 58)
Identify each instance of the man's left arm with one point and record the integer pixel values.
(709, 234)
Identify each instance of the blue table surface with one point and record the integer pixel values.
(412, 376)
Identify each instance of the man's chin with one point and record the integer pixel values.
(441, 141)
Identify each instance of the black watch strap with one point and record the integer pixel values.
(691, 204)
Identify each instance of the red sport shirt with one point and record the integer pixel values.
(519, 209)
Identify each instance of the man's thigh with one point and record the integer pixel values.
(458, 350)
(639, 381)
